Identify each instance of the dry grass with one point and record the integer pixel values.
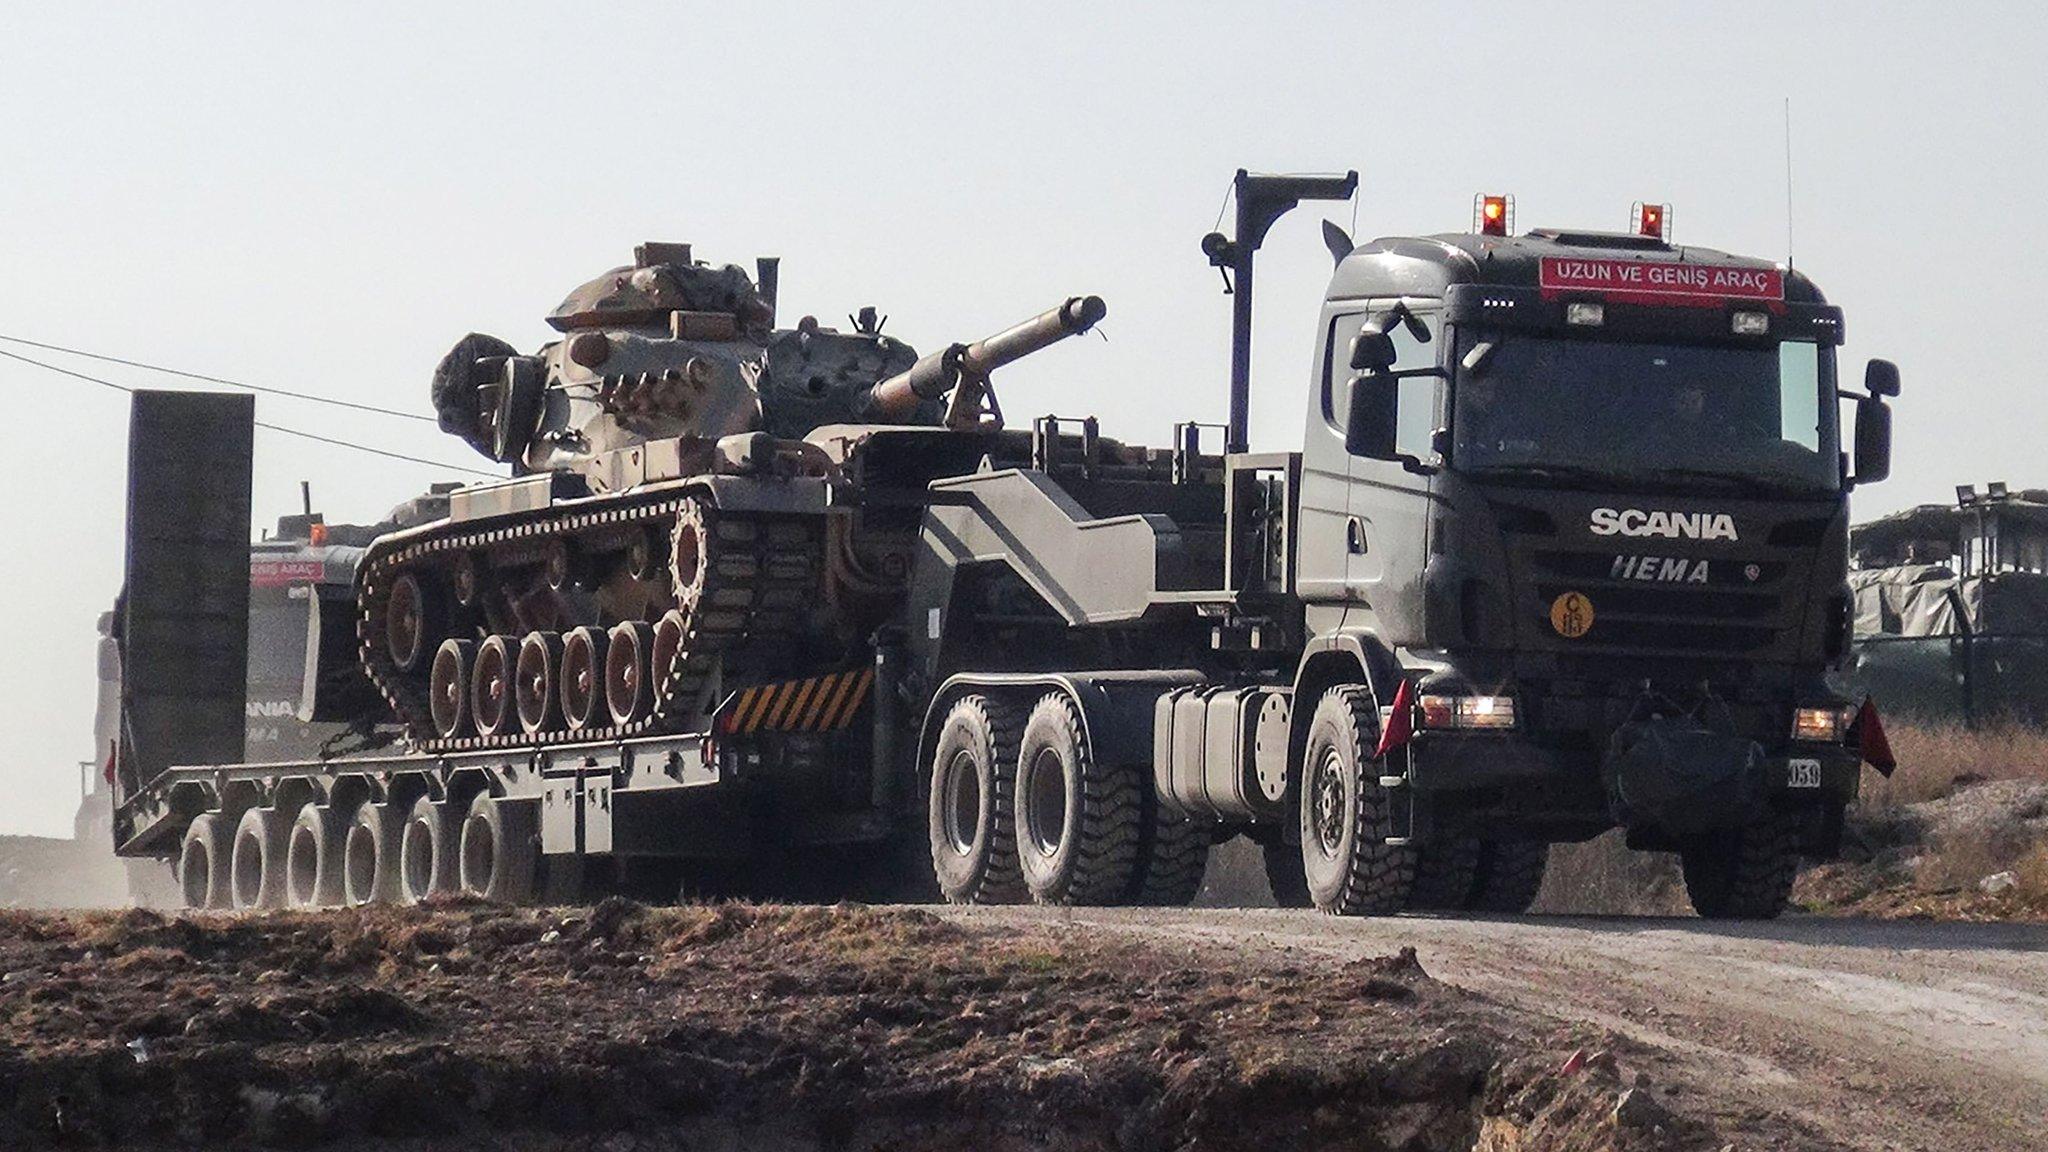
(1934, 760)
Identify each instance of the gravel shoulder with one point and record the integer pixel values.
(1879, 1035)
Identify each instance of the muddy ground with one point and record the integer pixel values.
(748, 1027)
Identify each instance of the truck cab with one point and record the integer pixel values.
(1586, 492)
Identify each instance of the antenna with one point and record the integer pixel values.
(1788, 182)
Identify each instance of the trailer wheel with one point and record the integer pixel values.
(256, 876)
(1507, 876)
(972, 822)
(426, 853)
(1077, 819)
(1284, 873)
(203, 861)
(314, 848)
(1447, 874)
(1346, 814)
(497, 858)
(1744, 873)
(371, 856)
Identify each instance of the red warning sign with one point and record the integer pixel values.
(278, 573)
(1660, 282)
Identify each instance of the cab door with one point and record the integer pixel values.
(1391, 500)
(1323, 545)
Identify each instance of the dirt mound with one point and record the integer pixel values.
(1979, 852)
(628, 1028)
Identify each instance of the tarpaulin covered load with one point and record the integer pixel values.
(1946, 648)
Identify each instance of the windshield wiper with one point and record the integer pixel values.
(1737, 481)
(1545, 472)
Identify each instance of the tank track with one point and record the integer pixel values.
(757, 581)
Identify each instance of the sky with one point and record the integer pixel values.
(326, 199)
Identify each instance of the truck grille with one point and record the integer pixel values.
(1731, 614)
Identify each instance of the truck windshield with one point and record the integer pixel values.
(1545, 407)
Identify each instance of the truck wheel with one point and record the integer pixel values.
(1447, 874)
(1284, 874)
(1346, 815)
(256, 867)
(1173, 859)
(1744, 873)
(371, 856)
(497, 860)
(313, 853)
(972, 825)
(1077, 818)
(426, 853)
(203, 862)
(1508, 876)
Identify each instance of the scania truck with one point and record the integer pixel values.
(1562, 548)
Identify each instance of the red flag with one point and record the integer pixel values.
(1870, 740)
(1401, 724)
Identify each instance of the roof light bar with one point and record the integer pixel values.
(1653, 220)
(1493, 215)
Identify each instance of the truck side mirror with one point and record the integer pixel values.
(1369, 426)
(1881, 378)
(1873, 438)
(1371, 350)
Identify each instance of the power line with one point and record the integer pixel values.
(145, 365)
(105, 383)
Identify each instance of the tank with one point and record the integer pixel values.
(684, 515)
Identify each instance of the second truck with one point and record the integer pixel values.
(1562, 548)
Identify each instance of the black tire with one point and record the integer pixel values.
(1446, 874)
(454, 389)
(1346, 815)
(1173, 859)
(971, 821)
(313, 853)
(371, 855)
(203, 861)
(1744, 873)
(1284, 875)
(1509, 875)
(1077, 819)
(426, 853)
(256, 865)
(500, 849)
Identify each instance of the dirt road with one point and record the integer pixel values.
(1878, 1034)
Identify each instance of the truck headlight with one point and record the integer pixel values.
(1485, 713)
(1824, 725)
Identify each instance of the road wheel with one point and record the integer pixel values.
(1509, 874)
(498, 850)
(256, 876)
(1346, 815)
(1077, 819)
(537, 682)
(313, 855)
(203, 861)
(583, 703)
(1284, 874)
(448, 687)
(628, 677)
(426, 853)
(1446, 874)
(972, 824)
(491, 686)
(371, 855)
(1744, 873)
(413, 622)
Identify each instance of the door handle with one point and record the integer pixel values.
(1354, 536)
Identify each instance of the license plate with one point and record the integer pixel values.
(1802, 774)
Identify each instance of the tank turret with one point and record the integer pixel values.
(667, 348)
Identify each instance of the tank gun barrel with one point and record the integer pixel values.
(938, 372)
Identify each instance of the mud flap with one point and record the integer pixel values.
(184, 621)
(1680, 778)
